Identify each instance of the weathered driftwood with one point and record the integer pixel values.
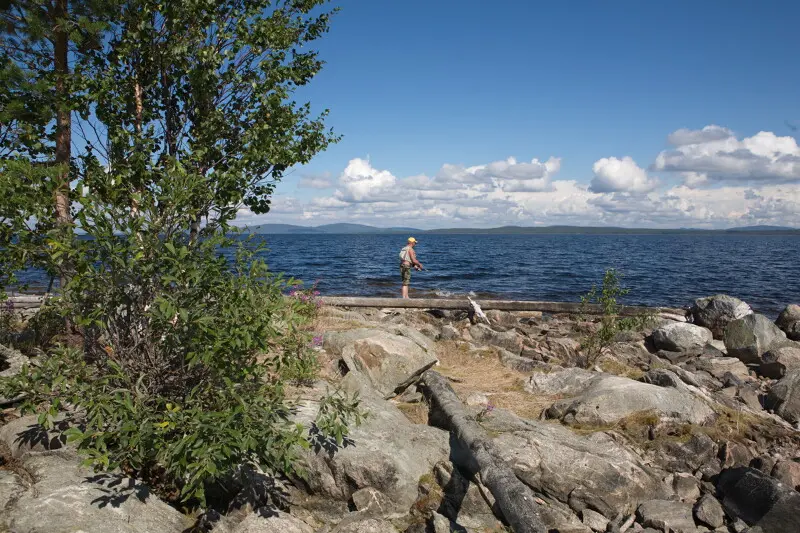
(26, 301)
(514, 499)
(476, 309)
(502, 305)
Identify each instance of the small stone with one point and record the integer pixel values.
(477, 399)
(449, 333)
(708, 510)
(440, 524)
(594, 520)
(686, 487)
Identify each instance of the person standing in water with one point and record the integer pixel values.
(408, 259)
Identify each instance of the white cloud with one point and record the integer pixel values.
(315, 182)
(360, 182)
(764, 157)
(695, 179)
(621, 193)
(620, 175)
(709, 133)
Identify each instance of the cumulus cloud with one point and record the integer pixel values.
(710, 192)
(620, 175)
(709, 133)
(719, 156)
(360, 182)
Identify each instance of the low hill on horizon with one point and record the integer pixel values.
(347, 228)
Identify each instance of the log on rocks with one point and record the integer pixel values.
(514, 499)
(501, 305)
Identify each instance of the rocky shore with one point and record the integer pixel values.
(687, 425)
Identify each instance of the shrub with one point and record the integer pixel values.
(181, 377)
(611, 323)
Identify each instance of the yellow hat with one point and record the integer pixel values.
(412, 239)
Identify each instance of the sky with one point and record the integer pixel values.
(622, 113)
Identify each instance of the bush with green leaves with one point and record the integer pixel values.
(187, 116)
(611, 323)
(181, 376)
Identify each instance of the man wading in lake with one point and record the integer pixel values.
(408, 258)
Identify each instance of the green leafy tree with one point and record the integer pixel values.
(187, 116)
(42, 46)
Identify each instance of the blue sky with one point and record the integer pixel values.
(416, 85)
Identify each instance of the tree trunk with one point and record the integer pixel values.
(514, 498)
(63, 116)
(63, 123)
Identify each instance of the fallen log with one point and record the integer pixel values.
(514, 499)
(501, 305)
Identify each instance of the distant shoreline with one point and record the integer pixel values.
(359, 229)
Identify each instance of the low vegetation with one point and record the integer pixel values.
(611, 322)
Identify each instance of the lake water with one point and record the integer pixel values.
(669, 270)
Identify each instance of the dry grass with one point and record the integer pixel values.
(613, 366)
(481, 371)
(416, 412)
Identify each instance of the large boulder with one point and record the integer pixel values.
(665, 515)
(760, 500)
(386, 452)
(508, 340)
(780, 359)
(784, 397)
(749, 337)
(789, 321)
(608, 399)
(715, 312)
(594, 471)
(67, 497)
(389, 362)
(679, 337)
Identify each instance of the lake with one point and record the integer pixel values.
(669, 270)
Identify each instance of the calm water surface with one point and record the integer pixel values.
(667, 270)
(659, 269)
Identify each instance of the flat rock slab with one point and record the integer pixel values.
(68, 498)
(608, 399)
(668, 516)
(594, 469)
(719, 366)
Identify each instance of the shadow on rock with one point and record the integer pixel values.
(117, 489)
